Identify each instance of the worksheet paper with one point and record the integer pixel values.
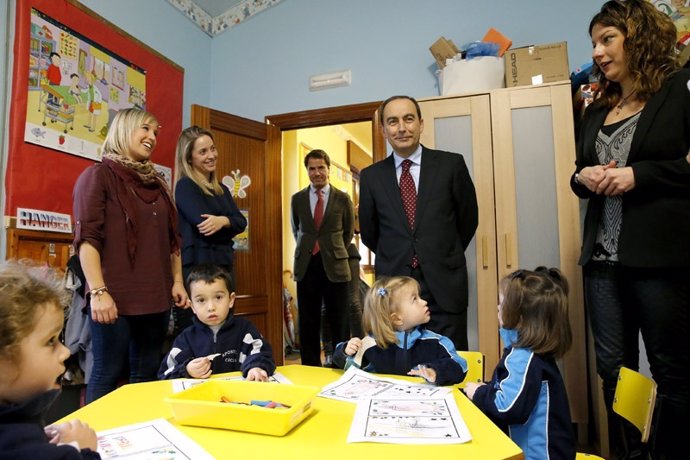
(434, 420)
(182, 384)
(153, 440)
(357, 385)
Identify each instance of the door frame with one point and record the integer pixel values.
(353, 113)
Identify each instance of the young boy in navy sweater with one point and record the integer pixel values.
(217, 342)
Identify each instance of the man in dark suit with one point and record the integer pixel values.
(419, 216)
(323, 225)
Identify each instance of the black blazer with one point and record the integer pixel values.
(445, 222)
(656, 213)
(334, 235)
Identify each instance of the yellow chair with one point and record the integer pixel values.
(634, 400)
(475, 366)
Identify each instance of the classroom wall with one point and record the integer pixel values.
(162, 27)
(262, 66)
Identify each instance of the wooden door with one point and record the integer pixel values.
(43, 247)
(244, 154)
(463, 125)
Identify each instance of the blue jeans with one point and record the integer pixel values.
(621, 302)
(134, 340)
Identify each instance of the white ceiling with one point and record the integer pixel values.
(217, 7)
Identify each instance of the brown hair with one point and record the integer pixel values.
(25, 290)
(379, 304)
(535, 304)
(649, 46)
(317, 154)
(183, 161)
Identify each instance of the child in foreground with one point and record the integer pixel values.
(32, 362)
(396, 341)
(217, 341)
(526, 396)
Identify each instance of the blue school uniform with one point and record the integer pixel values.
(414, 347)
(22, 436)
(239, 343)
(526, 398)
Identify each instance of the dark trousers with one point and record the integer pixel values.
(314, 290)
(451, 324)
(133, 340)
(621, 302)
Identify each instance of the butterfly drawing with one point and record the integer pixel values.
(237, 184)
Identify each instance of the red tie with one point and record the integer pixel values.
(318, 217)
(408, 193)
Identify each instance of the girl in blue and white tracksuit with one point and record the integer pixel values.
(526, 396)
(397, 342)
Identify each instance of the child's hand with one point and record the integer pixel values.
(426, 373)
(199, 368)
(352, 346)
(257, 374)
(73, 431)
(471, 387)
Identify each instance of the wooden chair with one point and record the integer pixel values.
(475, 366)
(634, 400)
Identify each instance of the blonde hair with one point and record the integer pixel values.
(183, 161)
(535, 304)
(379, 305)
(119, 138)
(25, 289)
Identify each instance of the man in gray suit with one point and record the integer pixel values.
(323, 225)
(418, 213)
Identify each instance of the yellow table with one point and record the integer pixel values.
(321, 436)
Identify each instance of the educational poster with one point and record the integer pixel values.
(75, 88)
(679, 12)
(358, 385)
(409, 421)
(241, 240)
(154, 440)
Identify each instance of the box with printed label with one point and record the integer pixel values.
(536, 64)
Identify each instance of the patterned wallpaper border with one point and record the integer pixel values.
(216, 25)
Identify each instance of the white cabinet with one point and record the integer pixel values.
(519, 146)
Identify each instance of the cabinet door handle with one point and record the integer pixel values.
(509, 252)
(485, 252)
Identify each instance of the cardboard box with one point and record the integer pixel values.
(443, 49)
(536, 64)
(470, 75)
(201, 405)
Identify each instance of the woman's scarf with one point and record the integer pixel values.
(139, 179)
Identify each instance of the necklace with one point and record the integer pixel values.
(623, 102)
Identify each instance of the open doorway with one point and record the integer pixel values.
(351, 136)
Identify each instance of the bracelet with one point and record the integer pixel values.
(98, 291)
(577, 178)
